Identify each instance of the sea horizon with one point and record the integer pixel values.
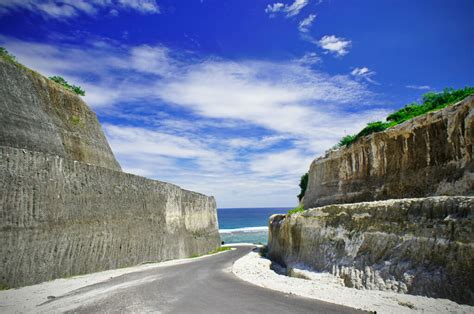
(246, 224)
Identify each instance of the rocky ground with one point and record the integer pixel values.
(325, 287)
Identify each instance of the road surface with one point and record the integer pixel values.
(205, 285)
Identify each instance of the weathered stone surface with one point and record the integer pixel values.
(427, 156)
(60, 218)
(418, 246)
(39, 115)
(65, 206)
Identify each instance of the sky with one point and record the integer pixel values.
(235, 98)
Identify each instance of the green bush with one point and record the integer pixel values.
(303, 185)
(61, 81)
(346, 140)
(430, 102)
(298, 209)
(7, 56)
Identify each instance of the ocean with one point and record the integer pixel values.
(249, 225)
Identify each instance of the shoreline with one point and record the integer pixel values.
(325, 287)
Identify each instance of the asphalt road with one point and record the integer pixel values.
(206, 285)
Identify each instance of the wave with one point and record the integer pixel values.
(245, 229)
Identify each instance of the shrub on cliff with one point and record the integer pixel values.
(7, 56)
(303, 185)
(297, 209)
(430, 102)
(76, 89)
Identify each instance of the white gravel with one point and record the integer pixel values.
(326, 287)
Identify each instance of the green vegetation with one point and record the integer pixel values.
(7, 56)
(220, 249)
(303, 185)
(61, 81)
(4, 286)
(263, 251)
(75, 120)
(430, 102)
(297, 209)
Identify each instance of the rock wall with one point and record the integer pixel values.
(60, 218)
(39, 115)
(418, 246)
(427, 156)
(65, 206)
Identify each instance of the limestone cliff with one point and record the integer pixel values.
(65, 206)
(427, 156)
(419, 246)
(40, 115)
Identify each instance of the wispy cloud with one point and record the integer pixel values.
(290, 10)
(419, 87)
(222, 127)
(66, 9)
(336, 45)
(305, 24)
(364, 73)
(308, 58)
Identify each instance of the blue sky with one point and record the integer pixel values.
(236, 98)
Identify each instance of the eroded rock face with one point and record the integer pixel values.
(60, 218)
(65, 206)
(427, 156)
(418, 246)
(39, 115)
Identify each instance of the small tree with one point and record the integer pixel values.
(303, 185)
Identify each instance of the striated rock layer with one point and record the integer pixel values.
(419, 246)
(60, 218)
(39, 115)
(427, 156)
(65, 206)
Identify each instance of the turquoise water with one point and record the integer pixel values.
(249, 225)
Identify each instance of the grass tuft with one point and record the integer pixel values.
(298, 209)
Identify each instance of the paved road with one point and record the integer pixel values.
(202, 286)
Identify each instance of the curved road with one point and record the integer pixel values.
(205, 285)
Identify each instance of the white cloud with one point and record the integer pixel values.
(275, 7)
(296, 7)
(290, 10)
(308, 58)
(152, 59)
(245, 130)
(251, 91)
(419, 87)
(142, 6)
(283, 163)
(65, 9)
(305, 24)
(336, 45)
(138, 141)
(364, 73)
